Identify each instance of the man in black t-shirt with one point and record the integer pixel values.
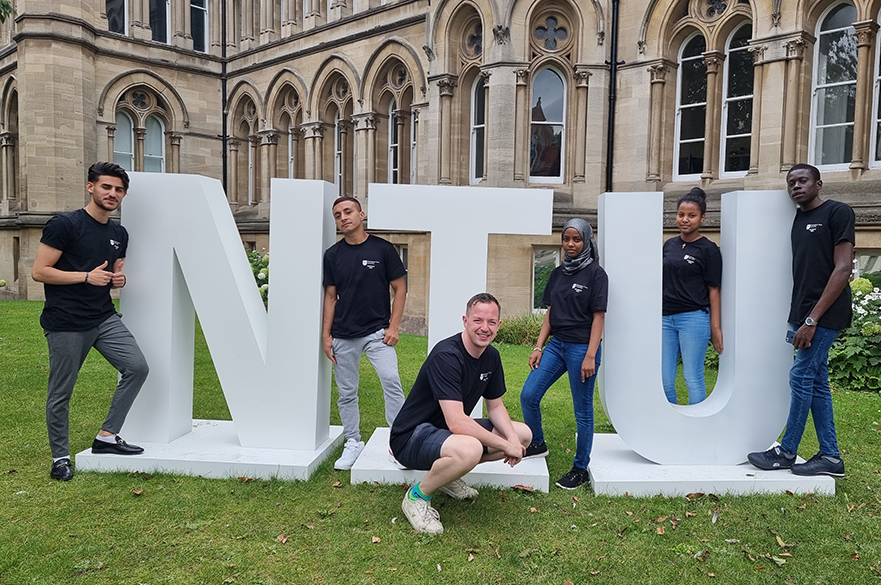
(822, 254)
(80, 258)
(358, 271)
(434, 431)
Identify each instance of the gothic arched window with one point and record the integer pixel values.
(547, 137)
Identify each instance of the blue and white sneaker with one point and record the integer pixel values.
(773, 458)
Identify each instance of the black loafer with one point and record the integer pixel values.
(120, 447)
(61, 470)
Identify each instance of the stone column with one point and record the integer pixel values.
(174, 138)
(314, 16)
(111, 133)
(232, 187)
(365, 127)
(231, 32)
(180, 30)
(140, 133)
(713, 61)
(140, 20)
(399, 119)
(446, 85)
(658, 75)
(865, 32)
(339, 9)
(313, 132)
(758, 52)
(267, 21)
(293, 154)
(291, 20)
(794, 54)
(582, 79)
(486, 75)
(521, 124)
(7, 144)
(248, 37)
(268, 154)
(215, 27)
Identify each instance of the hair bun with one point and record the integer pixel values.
(698, 192)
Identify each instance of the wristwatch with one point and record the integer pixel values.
(810, 322)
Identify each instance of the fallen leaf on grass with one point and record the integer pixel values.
(694, 496)
(711, 574)
(576, 499)
(375, 539)
(568, 583)
(780, 562)
(337, 484)
(802, 507)
(731, 540)
(628, 512)
(850, 507)
(470, 557)
(855, 556)
(525, 553)
(787, 555)
(525, 488)
(282, 538)
(309, 526)
(758, 568)
(438, 568)
(369, 571)
(715, 515)
(780, 541)
(246, 479)
(659, 530)
(16, 471)
(137, 491)
(690, 514)
(594, 573)
(532, 510)
(660, 518)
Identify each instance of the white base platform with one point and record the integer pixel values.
(374, 465)
(615, 470)
(212, 450)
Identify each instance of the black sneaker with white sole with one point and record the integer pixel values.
(773, 458)
(536, 450)
(575, 478)
(820, 464)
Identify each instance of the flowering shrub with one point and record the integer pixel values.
(260, 267)
(855, 357)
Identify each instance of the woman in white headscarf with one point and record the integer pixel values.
(576, 296)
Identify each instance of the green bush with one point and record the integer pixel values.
(260, 267)
(855, 357)
(522, 329)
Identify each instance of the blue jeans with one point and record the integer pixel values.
(559, 357)
(689, 334)
(809, 383)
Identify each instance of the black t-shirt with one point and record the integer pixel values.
(361, 275)
(689, 271)
(573, 299)
(449, 373)
(815, 234)
(85, 243)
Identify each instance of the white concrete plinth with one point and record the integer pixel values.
(374, 465)
(615, 469)
(212, 450)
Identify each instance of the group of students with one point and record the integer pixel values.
(81, 257)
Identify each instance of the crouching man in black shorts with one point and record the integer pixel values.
(433, 430)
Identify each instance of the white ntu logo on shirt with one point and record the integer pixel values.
(370, 264)
(812, 227)
(578, 287)
(689, 259)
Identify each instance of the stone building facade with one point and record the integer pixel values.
(724, 94)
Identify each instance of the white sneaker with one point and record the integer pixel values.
(422, 517)
(459, 489)
(351, 450)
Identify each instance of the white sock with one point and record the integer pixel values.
(107, 439)
(57, 459)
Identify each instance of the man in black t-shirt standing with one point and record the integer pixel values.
(822, 254)
(358, 271)
(434, 431)
(80, 258)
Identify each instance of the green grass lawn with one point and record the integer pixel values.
(135, 528)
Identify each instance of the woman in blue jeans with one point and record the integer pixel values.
(576, 296)
(692, 277)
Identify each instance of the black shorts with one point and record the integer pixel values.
(424, 446)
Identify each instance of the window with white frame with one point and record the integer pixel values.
(292, 155)
(691, 109)
(869, 265)
(737, 104)
(547, 137)
(544, 260)
(413, 123)
(160, 17)
(337, 153)
(404, 255)
(834, 95)
(394, 159)
(154, 145)
(199, 24)
(251, 177)
(117, 16)
(124, 142)
(478, 129)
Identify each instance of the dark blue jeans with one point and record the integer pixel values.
(809, 383)
(558, 358)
